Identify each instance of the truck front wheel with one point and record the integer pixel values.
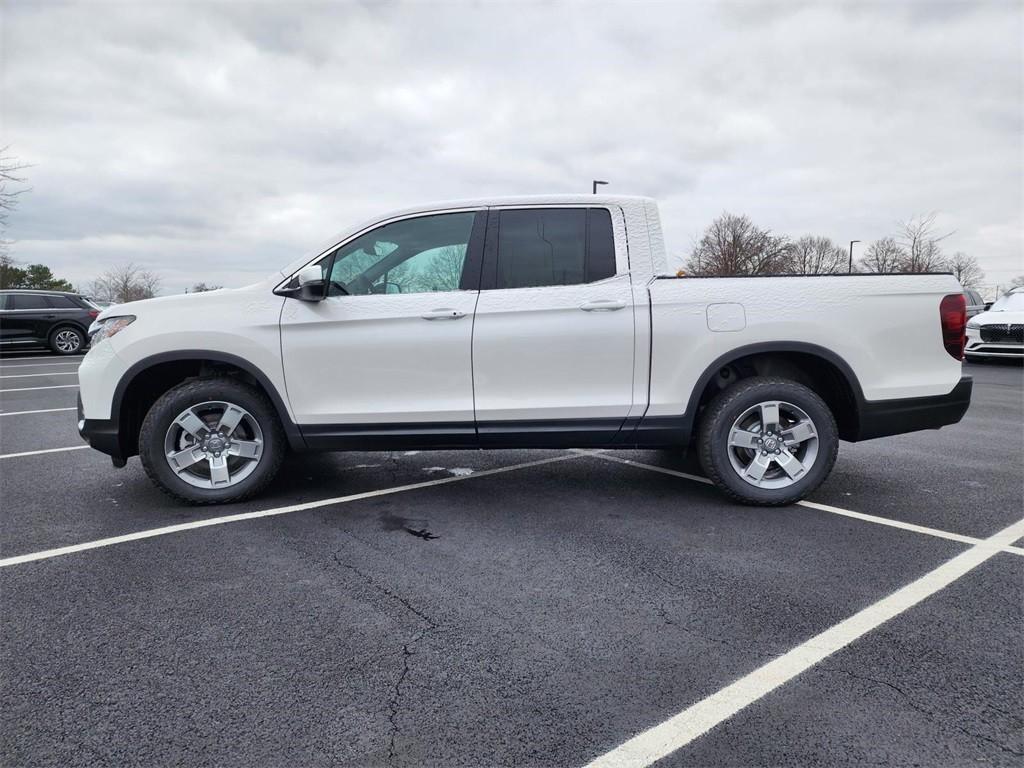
(211, 441)
(768, 441)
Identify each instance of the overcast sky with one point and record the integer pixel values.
(217, 142)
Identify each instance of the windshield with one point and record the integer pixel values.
(1011, 302)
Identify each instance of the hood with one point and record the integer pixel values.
(186, 301)
(998, 318)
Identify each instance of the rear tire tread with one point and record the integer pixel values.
(725, 401)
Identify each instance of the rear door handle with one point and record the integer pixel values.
(603, 305)
(444, 313)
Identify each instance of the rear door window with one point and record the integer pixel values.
(63, 302)
(554, 246)
(29, 301)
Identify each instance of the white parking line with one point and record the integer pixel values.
(152, 532)
(36, 375)
(33, 389)
(45, 450)
(937, 532)
(696, 720)
(37, 357)
(36, 365)
(41, 410)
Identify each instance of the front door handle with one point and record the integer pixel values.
(444, 313)
(603, 305)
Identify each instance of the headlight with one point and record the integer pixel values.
(108, 326)
(973, 324)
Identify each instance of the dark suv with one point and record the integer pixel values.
(54, 319)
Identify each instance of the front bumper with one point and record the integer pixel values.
(881, 418)
(103, 435)
(993, 341)
(990, 349)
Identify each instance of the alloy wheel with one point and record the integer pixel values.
(773, 444)
(214, 444)
(67, 341)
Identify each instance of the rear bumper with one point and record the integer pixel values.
(103, 435)
(880, 418)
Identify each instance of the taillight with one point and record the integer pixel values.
(953, 315)
(94, 313)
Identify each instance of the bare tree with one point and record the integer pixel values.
(921, 243)
(734, 245)
(966, 269)
(126, 282)
(203, 288)
(811, 255)
(9, 168)
(1018, 281)
(444, 272)
(883, 256)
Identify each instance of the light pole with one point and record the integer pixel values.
(594, 185)
(850, 271)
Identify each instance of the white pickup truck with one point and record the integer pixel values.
(533, 322)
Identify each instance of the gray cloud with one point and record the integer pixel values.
(216, 142)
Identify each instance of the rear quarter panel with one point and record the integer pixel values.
(885, 327)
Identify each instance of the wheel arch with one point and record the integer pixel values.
(150, 377)
(816, 367)
(825, 372)
(61, 324)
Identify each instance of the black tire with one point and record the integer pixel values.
(717, 422)
(191, 393)
(66, 340)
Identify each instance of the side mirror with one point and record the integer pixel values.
(307, 285)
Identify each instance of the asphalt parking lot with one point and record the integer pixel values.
(532, 608)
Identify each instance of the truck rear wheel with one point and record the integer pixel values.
(211, 441)
(768, 441)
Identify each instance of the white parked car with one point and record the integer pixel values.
(523, 322)
(998, 332)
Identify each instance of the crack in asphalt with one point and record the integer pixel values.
(395, 703)
(673, 619)
(931, 714)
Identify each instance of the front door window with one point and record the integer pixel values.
(425, 254)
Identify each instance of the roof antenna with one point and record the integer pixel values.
(594, 185)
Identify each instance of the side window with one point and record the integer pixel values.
(600, 245)
(554, 246)
(28, 301)
(418, 255)
(62, 302)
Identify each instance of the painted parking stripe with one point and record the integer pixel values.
(37, 375)
(152, 532)
(696, 720)
(40, 410)
(33, 389)
(937, 532)
(38, 357)
(45, 450)
(36, 365)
